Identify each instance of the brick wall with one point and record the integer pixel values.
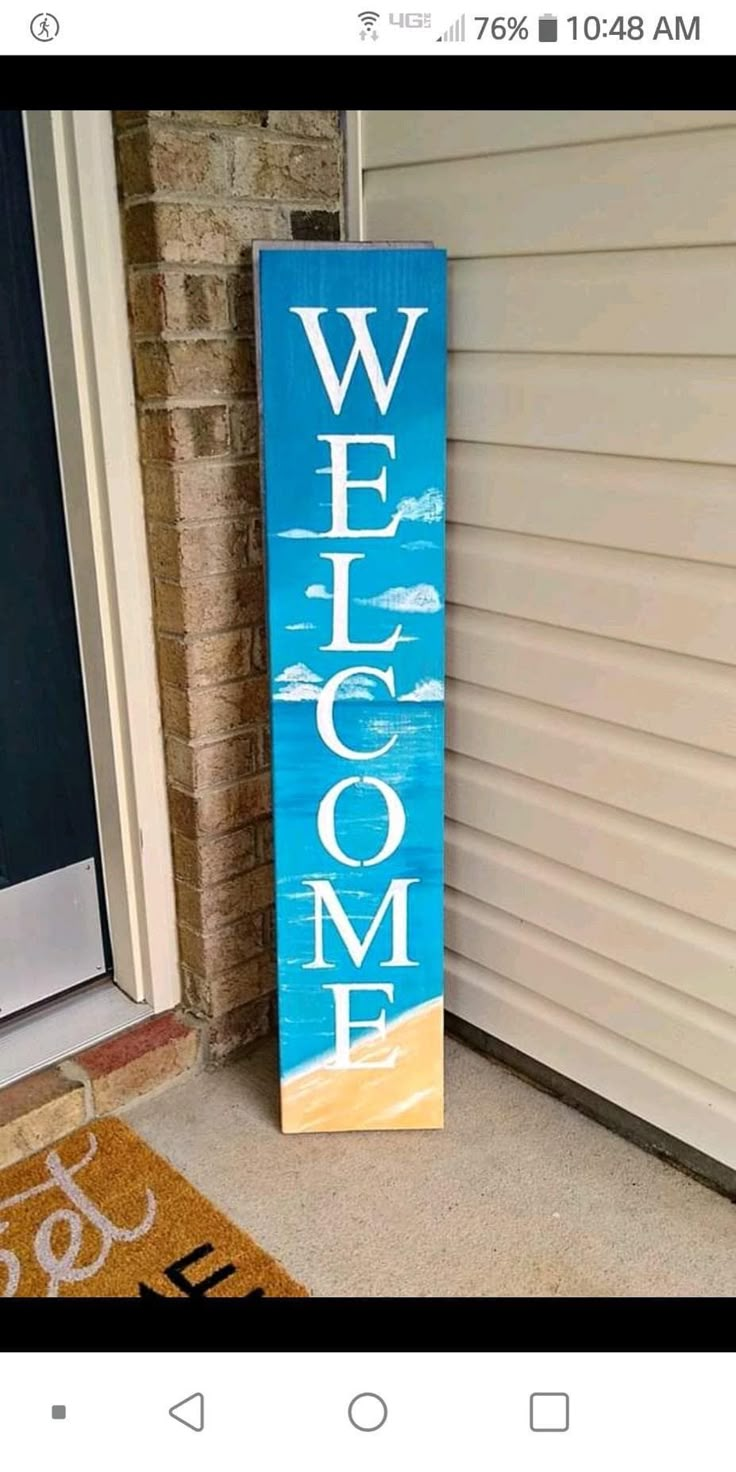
(196, 189)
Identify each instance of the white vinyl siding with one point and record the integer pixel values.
(591, 620)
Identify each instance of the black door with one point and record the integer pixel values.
(52, 928)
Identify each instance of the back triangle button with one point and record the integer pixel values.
(190, 1412)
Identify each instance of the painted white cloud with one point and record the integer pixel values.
(357, 687)
(427, 507)
(299, 532)
(317, 590)
(299, 672)
(420, 546)
(299, 683)
(426, 690)
(297, 691)
(421, 599)
(293, 628)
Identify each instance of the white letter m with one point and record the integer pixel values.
(325, 899)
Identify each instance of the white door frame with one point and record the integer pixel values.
(354, 175)
(71, 166)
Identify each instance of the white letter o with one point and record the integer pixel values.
(326, 821)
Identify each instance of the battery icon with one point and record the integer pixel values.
(548, 27)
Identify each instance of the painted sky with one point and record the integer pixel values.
(400, 580)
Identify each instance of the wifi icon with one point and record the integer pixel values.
(368, 22)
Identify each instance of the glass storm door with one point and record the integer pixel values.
(53, 932)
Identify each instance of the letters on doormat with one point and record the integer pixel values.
(352, 351)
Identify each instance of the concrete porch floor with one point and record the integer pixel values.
(520, 1195)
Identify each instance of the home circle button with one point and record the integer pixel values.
(367, 1412)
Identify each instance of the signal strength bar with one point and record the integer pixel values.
(455, 32)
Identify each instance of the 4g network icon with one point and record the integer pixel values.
(413, 20)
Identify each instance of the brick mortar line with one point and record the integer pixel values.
(249, 515)
(205, 836)
(228, 136)
(256, 731)
(246, 517)
(236, 459)
(202, 743)
(231, 459)
(223, 130)
(202, 518)
(205, 789)
(221, 133)
(156, 264)
(208, 931)
(208, 838)
(246, 512)
(225, 629)
(204, 401)
(255, 726)
(183, 523)
(215, 131)
(203, 638)
(229, 629)
(223, 971)
(196, 749)
(208, 577)
(173, 401)
(151, 463)
(197, 792)
(242, 870)
(214, 743)
(231, 928)
(193, 641)
(262, 866)
(249, 729)
(201, 687)
(309, 202)
(223, 787)
(220, 685)
(169, 267)
(211, 686)
(201, 334)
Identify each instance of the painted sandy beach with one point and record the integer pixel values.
(406, 1097)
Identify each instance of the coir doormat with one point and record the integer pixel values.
(103, 1216)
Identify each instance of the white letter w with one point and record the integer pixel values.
(363, 347)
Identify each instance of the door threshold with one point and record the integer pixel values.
(64, 1026)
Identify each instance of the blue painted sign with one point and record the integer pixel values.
(352, 354)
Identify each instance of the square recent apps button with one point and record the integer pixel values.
(549, 1411)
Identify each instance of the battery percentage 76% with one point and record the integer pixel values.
(503, 27)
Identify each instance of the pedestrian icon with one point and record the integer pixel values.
(44, 26)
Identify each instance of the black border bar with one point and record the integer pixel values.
(506, 1325)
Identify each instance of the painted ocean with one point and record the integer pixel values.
(304, 771)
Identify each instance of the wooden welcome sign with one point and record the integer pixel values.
(352, 346)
